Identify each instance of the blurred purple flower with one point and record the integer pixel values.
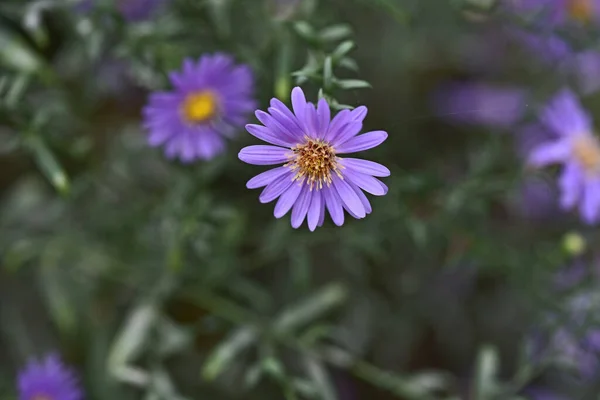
(540, 393)
(48, 379)
(536, 199)
(555, 13)
(577, 149)
(572, 340)
(528, 137)
(211, 99)
(313, 177)
(477, 103)
(132, 10)
(586, 69)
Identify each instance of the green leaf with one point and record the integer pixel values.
(487, 369)
(327, 74)
(305, 31)
(348, 84)
(311, 308)
(48, 164)
(335, 33)
(343, 49)
(16, 54)
(133, 337)
(227, 351)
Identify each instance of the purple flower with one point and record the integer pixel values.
(477, 103)
(48, 379)
(210, 100)
(572, 340)
(577, 149)
(586, 69)
(540, 393)
(314, 178)
(554, 13)
(536, 199)
(132, 10)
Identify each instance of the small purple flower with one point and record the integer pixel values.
(477, 103)
(536, 199)
(540, 393)
(314, 178)
(132, 10)
(210, 101)
(554, 13)
(577, 149)
(48, 379)
(572, 340)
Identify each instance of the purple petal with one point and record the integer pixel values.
(346, 133)
(299, 103)
(590, 205)
(565, 115)
(359, 114)
(288, 124)
(570, 185)
(349, 197)
(340, 120)
(264, 155)
(322, 212)
(277, 128)
(314, 211)
(365, 202)
(363, 142)
(550, 153)
(301, 206)
(324, 116)
(265, 134)
(311, 122)
(366, 183)
(276, 188)
(365, 167)
(287, 200)
(334, 205)
(266, 177)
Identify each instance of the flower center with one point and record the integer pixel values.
(586, 150)
(199, 107)
(580, 10)
(314, 161)
(40, 397)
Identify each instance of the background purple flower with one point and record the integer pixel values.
(210, 101)
(571, 339)
(48, 379)
(132, 10)
(577, 149)
(480, 103)
(541, 393)
(314, 178)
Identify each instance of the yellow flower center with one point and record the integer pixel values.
(199, 107)
(586, 150)
(581, 10)
(41, 397)
(314, 162)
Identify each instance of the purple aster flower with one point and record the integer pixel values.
(210, 101)
(586, 69)
(48, 379)
(477, 103)
(132, 10)
(577, 149)
(553, 13)
(572, 340)
(546, 17)
(540, 393)
(314, 178)
(535, 199)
